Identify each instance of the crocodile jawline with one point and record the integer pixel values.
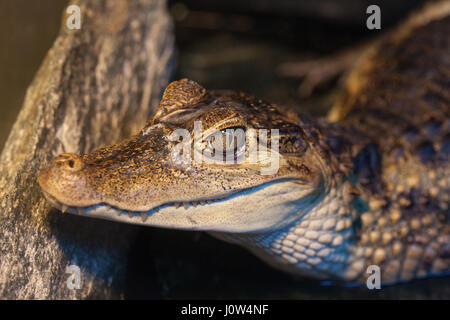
(144, 214)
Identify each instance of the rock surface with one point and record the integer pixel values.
(95, 86)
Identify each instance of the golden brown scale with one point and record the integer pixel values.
(404, 109)
(178, 95)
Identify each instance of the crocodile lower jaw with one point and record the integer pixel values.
(111, 212)
(115, 211)
(261, 207)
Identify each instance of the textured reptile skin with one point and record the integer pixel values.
(370, 188)
(399, 139)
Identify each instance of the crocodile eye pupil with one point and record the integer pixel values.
(231, 141)
(71, 163)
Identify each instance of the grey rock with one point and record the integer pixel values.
(95, 86)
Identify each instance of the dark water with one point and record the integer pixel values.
(219, 49)
(181, 265)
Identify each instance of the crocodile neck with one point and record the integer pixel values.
(321, 242)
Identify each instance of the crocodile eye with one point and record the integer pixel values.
(226, 144)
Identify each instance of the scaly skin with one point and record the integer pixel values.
(372, 188)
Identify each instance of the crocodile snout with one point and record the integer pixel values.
(66, 179)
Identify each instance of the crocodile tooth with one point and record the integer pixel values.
(177, 205)
(195, 204)
(80, 210)
(131, 214)
(63, 208)
(156, 209)
(118, 212)
(144, 216)
(185, 205)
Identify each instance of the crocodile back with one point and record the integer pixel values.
(400, 102)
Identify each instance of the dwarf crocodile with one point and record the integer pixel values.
(367, 186)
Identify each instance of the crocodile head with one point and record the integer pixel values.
(141, 181)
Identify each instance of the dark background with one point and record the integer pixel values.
(233, 44)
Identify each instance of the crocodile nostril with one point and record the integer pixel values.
(69, 161)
